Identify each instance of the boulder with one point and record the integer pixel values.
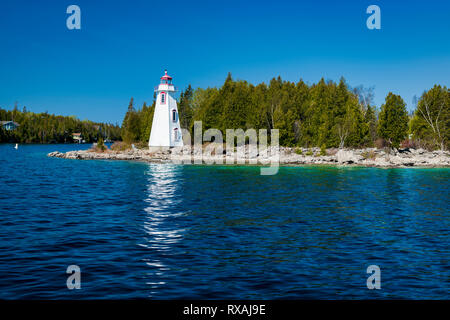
(348, 156)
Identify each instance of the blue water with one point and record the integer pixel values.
(164, 231)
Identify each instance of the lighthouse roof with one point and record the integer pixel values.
(166, 76)
(166, 83)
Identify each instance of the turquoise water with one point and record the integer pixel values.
(164, 231)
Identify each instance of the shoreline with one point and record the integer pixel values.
(368, 157)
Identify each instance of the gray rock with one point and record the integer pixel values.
(348, 156)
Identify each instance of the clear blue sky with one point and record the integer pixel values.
(124, 46)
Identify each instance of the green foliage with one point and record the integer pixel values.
(137, 124)
(323, 150)
(298, 151)
(146, 116)
(325, 113)
(431, 121)
(393, 120)
(185, 108)
(49, 128)
(309, 152)
(305, 115)
(370, 119)
(101, 144)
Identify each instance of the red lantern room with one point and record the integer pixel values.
(165, 84)
(166, 79)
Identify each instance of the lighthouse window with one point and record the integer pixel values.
(175, 134)
(174, 115)
(163, 98)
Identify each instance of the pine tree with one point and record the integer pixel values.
(370, 120)
(131, 125)
(185, 108)
(393, 122)
(146, 122)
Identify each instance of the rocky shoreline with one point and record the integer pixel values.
(369, 157)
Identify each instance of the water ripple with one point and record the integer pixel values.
(165, 231)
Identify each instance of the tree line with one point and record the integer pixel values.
(49, 128)
(325, 114)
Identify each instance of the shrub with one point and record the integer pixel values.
(299, 151)
(141, 145)
(323, 150)
(101, 144)
(369, 154)
(120, 146)
(309, 152)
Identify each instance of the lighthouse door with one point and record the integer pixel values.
(176, 135)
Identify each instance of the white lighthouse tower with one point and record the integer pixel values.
(166, 131)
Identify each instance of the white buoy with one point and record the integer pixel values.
(17, 146)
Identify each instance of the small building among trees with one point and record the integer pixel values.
(9, 125)
(77, 137)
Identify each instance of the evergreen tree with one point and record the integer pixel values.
(146, 116)
(185, 109)
(393, 121)
(370, 120)
(131, 127)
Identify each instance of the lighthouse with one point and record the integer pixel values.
(166, 131)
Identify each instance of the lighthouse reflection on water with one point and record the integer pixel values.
(161, 232)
